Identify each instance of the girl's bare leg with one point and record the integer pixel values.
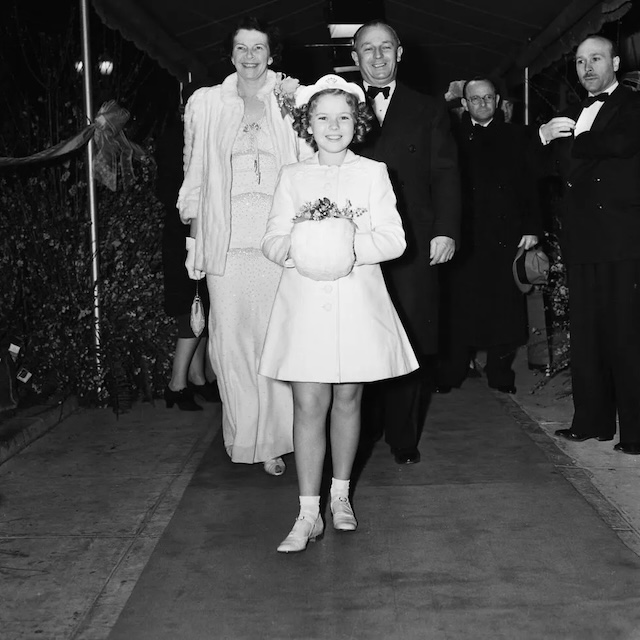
(310, 405)
(345, 428)
(311, 402)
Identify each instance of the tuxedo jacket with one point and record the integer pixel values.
(416, 144)
(601, 173)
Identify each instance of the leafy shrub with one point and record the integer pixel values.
(46, 295)
(46, 290)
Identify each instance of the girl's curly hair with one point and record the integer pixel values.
(361, 114)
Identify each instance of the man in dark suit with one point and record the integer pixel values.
(412, 137)
(597, 150)
(482, 306)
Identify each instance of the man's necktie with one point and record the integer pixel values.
(587, 102)
(372, 91)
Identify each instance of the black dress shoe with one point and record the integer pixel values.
(183, 398)
(208, 391)
(567, 434)
(506, 388)
(406, 456)
(443, 388)
(632, 448)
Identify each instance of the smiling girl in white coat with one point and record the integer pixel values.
(328, 334)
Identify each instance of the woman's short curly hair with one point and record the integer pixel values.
(361, 114)
(251, 23)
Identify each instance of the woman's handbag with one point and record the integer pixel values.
(197, 319)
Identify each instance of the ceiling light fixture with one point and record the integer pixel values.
(345, 17)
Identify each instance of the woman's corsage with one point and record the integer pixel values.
(322, 239)
(284, 91)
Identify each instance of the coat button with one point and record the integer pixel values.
(599, 206)
(569, 185)
(596, 179)
(412, 148)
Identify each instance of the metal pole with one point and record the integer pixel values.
(526, 95)
(91, 186)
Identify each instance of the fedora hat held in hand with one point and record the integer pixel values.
(530, 267)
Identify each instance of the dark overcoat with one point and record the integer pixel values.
(500, 204)
(416, 144)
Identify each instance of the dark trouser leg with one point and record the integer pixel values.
(453, 365)
(397, 408)
(620, 282)
(591, 378)
(498, 369)
(405, 410)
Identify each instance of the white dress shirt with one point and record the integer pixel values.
(380, 103)
(586, 117)
(588, 114)
(481, 124)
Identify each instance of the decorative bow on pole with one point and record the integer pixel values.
(112, 147)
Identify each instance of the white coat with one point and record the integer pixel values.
(211, 121)
(345, 330)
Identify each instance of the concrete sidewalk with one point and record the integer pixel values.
(81, 510)
(608, 479)
(83, 507)
(483, 540)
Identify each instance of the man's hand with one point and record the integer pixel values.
(441, 250)
(528, 242)
(190, 262)
(559, 127)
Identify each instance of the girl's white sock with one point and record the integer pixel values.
(309, 507)
(339, 488)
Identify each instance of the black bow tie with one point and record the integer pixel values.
(587, 102)
(372, 92)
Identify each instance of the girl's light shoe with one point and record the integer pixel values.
(304, 531)
(343, 518)
(275, 466)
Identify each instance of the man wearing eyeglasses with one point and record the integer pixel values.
(596, 147)
(500, 213)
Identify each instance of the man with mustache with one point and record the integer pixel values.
(596, 147)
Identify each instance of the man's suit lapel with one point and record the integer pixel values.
(392, 119)
(376, 129)
(380, 141)
(607, 112)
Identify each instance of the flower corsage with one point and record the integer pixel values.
(284, 91)
(322, 239)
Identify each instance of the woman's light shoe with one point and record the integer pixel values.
(343, 518)
(304, 530)
(275, 466)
